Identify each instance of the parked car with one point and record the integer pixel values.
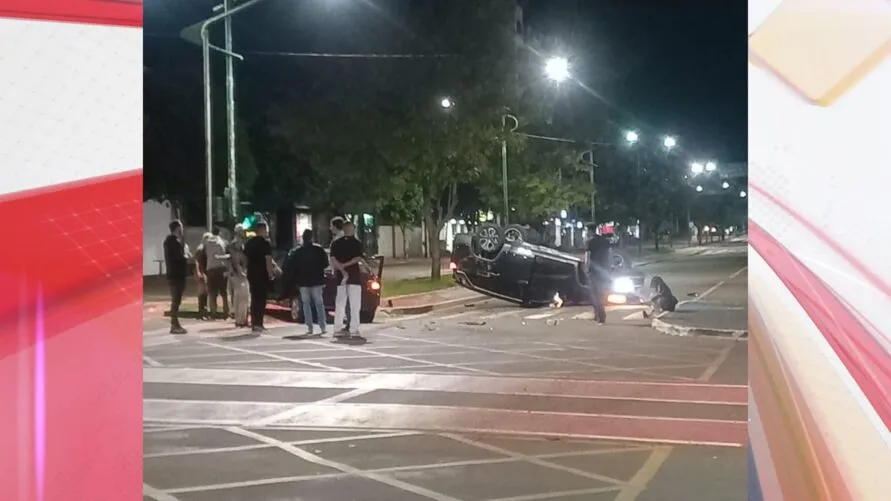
(509, 268)
(371, 268)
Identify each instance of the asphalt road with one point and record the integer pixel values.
(479, 402)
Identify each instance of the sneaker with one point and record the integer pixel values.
(342, 334)
(178, 330)
(258, 330)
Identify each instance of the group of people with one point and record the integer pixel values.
(240, 270)
(599, 270)
(243, 270)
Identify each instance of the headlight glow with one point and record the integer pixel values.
(623, 285)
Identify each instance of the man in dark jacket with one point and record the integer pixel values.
(177, 269)
(598, 258)
(309, 264)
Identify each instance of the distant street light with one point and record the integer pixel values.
(699, 189)
(725, 185)
(710, 166)
(446, 103)
(743, 194)
(557, 69)
(631, 136)
(669, 142)
(696, 168)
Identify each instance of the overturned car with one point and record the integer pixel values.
(503, 264)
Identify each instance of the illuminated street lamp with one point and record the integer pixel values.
(743, 194)
(725, 185)
(557, 69)
(696, 168)
(631, 136)
(699, 189)
(669, 142)
(710, 166)
(446, 103)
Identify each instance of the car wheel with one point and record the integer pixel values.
(366, 317)
(489, 238)
(514, 233)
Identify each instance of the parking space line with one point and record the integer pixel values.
(532, 460)
(157, 494)
(340, 397)
(270, 355)
(320, 461)
(416, 361)
(644, 475)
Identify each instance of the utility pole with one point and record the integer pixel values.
(232, 184)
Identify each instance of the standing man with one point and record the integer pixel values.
(177, 269)
(260, 271)
(310, 261)
(346, 253)
(336, 227)
(598, 257)
(215, 248)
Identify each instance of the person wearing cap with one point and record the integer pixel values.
(260, 271)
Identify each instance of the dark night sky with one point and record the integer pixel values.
(667, 66)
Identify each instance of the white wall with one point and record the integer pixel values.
(413, 242)
(155, 218)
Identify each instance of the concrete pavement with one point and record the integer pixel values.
(485, 401)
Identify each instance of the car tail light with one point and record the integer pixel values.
(453, 266)
(616, 299)
(374, 285)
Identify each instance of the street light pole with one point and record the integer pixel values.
(208, 116)
(230, 115)
(515, 126)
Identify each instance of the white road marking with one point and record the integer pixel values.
(340, 397)
(312, 458)
(151, 361)
(157, 494)
(500, 314)
(642, 478)
(708, 291)
(716, 364)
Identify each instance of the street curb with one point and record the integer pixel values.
(427, 308)
(682, 331)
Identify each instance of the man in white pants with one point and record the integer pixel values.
(346, 255)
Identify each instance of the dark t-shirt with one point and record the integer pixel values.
(256, 249)
(175, 257)
(346, 249)
(310, 262)
(598, 257)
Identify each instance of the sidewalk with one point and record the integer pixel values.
(721, 311)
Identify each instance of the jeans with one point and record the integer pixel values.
(312, 297)
(348, 294)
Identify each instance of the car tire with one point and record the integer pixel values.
(489, 238)
(366, 317)
(514, 234)
(296, 311)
